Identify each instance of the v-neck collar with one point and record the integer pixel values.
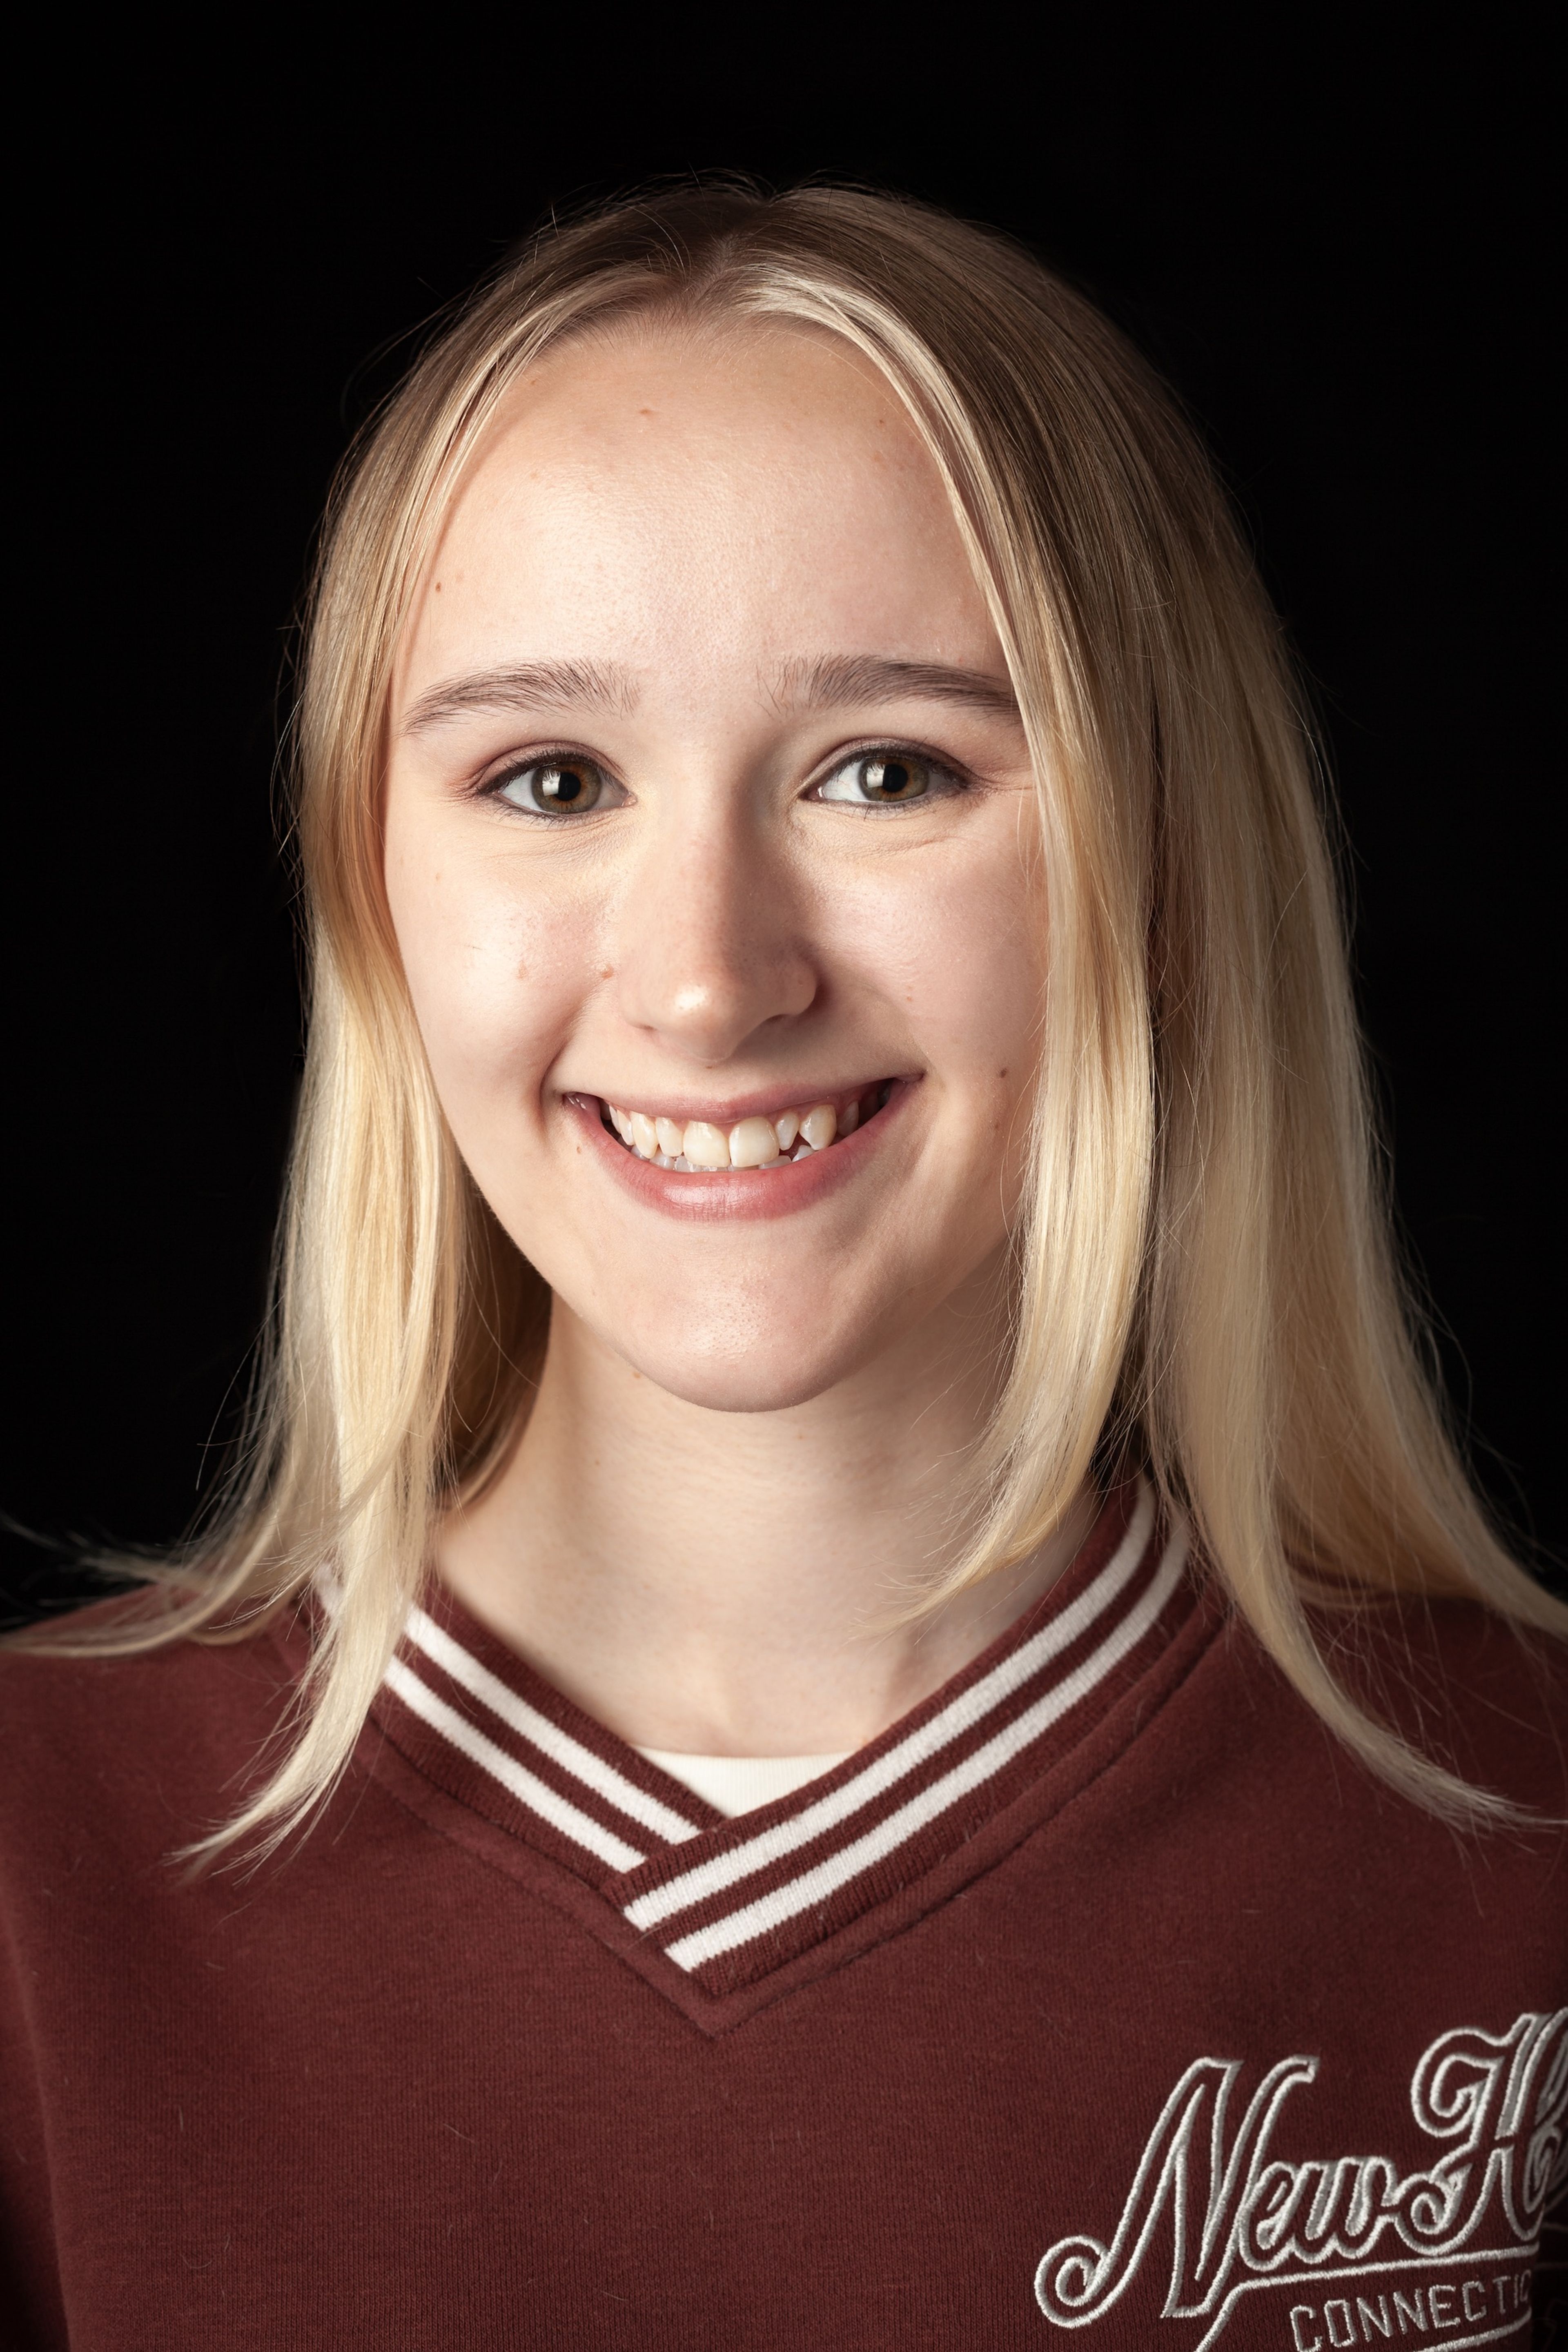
(723, 1914)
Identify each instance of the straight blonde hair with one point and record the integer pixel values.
(1205, 1284)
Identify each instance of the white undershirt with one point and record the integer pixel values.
(739, 1784)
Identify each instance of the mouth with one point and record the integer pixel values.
(772, 1140)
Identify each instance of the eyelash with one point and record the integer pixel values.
(955, 779)
(563, 755)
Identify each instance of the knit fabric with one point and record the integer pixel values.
(1103, 2003)
(739, 1784)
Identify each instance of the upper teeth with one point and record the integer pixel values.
(749, 1143)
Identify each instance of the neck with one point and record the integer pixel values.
(720, 1583)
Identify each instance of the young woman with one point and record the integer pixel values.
(853, 1698)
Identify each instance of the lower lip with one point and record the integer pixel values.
(739, 1193)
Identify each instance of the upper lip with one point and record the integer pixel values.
(765, 1102)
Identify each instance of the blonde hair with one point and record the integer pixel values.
(1204, 1280)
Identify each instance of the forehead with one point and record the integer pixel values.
(681, 494)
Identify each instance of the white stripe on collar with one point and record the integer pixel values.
(701, 1912)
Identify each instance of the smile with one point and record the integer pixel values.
(700, 1146)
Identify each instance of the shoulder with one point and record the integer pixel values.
(148, 1750)
(1480, 1693)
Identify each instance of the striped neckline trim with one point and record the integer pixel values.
(534, 1729)
(728, 1900)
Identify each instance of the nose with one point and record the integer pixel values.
(711, 945)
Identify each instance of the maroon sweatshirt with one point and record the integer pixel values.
(1103, 2001)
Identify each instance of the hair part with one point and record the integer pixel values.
(1206, 1282)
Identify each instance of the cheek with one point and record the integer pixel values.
(493, 980)
(958, 951)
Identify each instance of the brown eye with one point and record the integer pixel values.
(885, 779)
(553, 787)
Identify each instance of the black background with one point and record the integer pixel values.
(1330, 239)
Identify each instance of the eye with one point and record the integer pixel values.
(561, 786)
(886, 779)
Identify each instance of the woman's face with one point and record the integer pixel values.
(708, 818)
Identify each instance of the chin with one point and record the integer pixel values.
(764, 1374)
(742, 1391)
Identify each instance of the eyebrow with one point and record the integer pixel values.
(833, 681)
(526, 685)
(828, 681)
